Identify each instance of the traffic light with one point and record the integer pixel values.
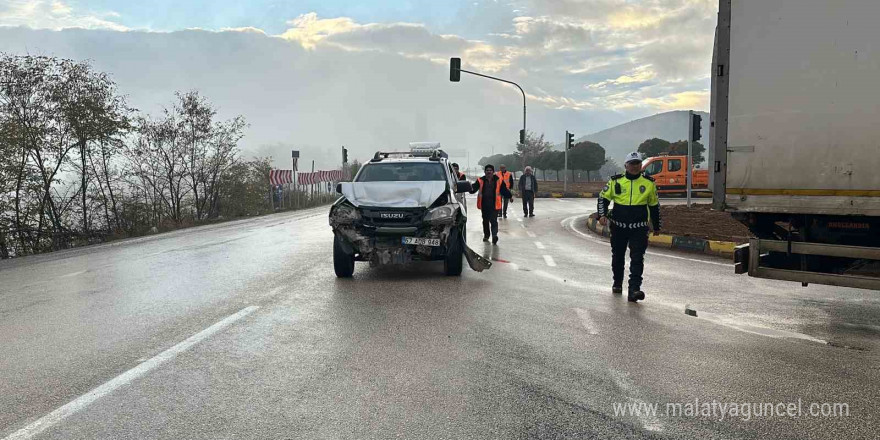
(455, 69)
(344, 155)
(698, 120)
(522, 136)
(569, 140)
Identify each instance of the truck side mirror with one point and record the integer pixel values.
(339, 188)
(462, 186)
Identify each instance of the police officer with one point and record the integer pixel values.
(635, 203)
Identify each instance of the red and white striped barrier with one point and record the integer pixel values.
(320, 176)
(278, 177)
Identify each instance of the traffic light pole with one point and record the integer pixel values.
(690, 161)
(565, 169)
(522, 137)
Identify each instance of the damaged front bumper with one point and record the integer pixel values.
(384, 245)
(379, 250)
(368, 236)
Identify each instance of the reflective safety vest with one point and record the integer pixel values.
(506, 178)
(635, 202)
(497, 193)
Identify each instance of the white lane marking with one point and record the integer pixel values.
(108, 387)
(519, 220)
(549, 260)
(73, 274)
(522, 225)
(571, 226)
(649, 421)
(514, 266)
(587, 321)
(539, 245)
(531, 234)
(757, 329)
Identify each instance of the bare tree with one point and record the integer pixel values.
(94, 113)
(75, 160)
(159, 156)
(534, 146)
(39, 130)
(195, 124)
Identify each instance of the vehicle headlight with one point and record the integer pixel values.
(440, 215)
(344, 214)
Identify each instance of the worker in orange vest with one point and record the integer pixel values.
(458, 173)
(507, 178)
(490, 189)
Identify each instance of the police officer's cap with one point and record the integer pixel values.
(633, 157)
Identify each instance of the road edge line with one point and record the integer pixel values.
(83, 401)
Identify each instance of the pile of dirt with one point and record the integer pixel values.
(701, 221)
(573, 187)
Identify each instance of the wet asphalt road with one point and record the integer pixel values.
(241, 330)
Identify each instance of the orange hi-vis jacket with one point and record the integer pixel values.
(506, 177)
(498, 183)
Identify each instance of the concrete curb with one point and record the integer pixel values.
(586, 195)
(690, 244)
(558, 195)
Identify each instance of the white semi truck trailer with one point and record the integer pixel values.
(795, 126)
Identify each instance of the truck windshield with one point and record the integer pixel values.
(402, 172)
(653, 167)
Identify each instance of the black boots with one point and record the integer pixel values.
(635, 295)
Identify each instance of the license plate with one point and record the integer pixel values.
(421, 241)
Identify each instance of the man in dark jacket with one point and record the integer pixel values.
(528, 186)
(490, 189)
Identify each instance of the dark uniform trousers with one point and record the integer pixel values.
(637, 240)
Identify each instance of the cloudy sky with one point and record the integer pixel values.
(317, 74)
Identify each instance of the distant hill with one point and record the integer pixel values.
(625, 138)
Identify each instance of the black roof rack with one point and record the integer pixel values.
(435, 155)
(385, 154)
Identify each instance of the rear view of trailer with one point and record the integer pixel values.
(795, 130)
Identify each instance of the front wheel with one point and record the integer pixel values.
(452, 264)
(343, 263)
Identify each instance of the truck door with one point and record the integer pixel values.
(676, 174)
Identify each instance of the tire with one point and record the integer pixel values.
(343, 263)
(452, 264)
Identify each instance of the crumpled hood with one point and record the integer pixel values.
(393, 194)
